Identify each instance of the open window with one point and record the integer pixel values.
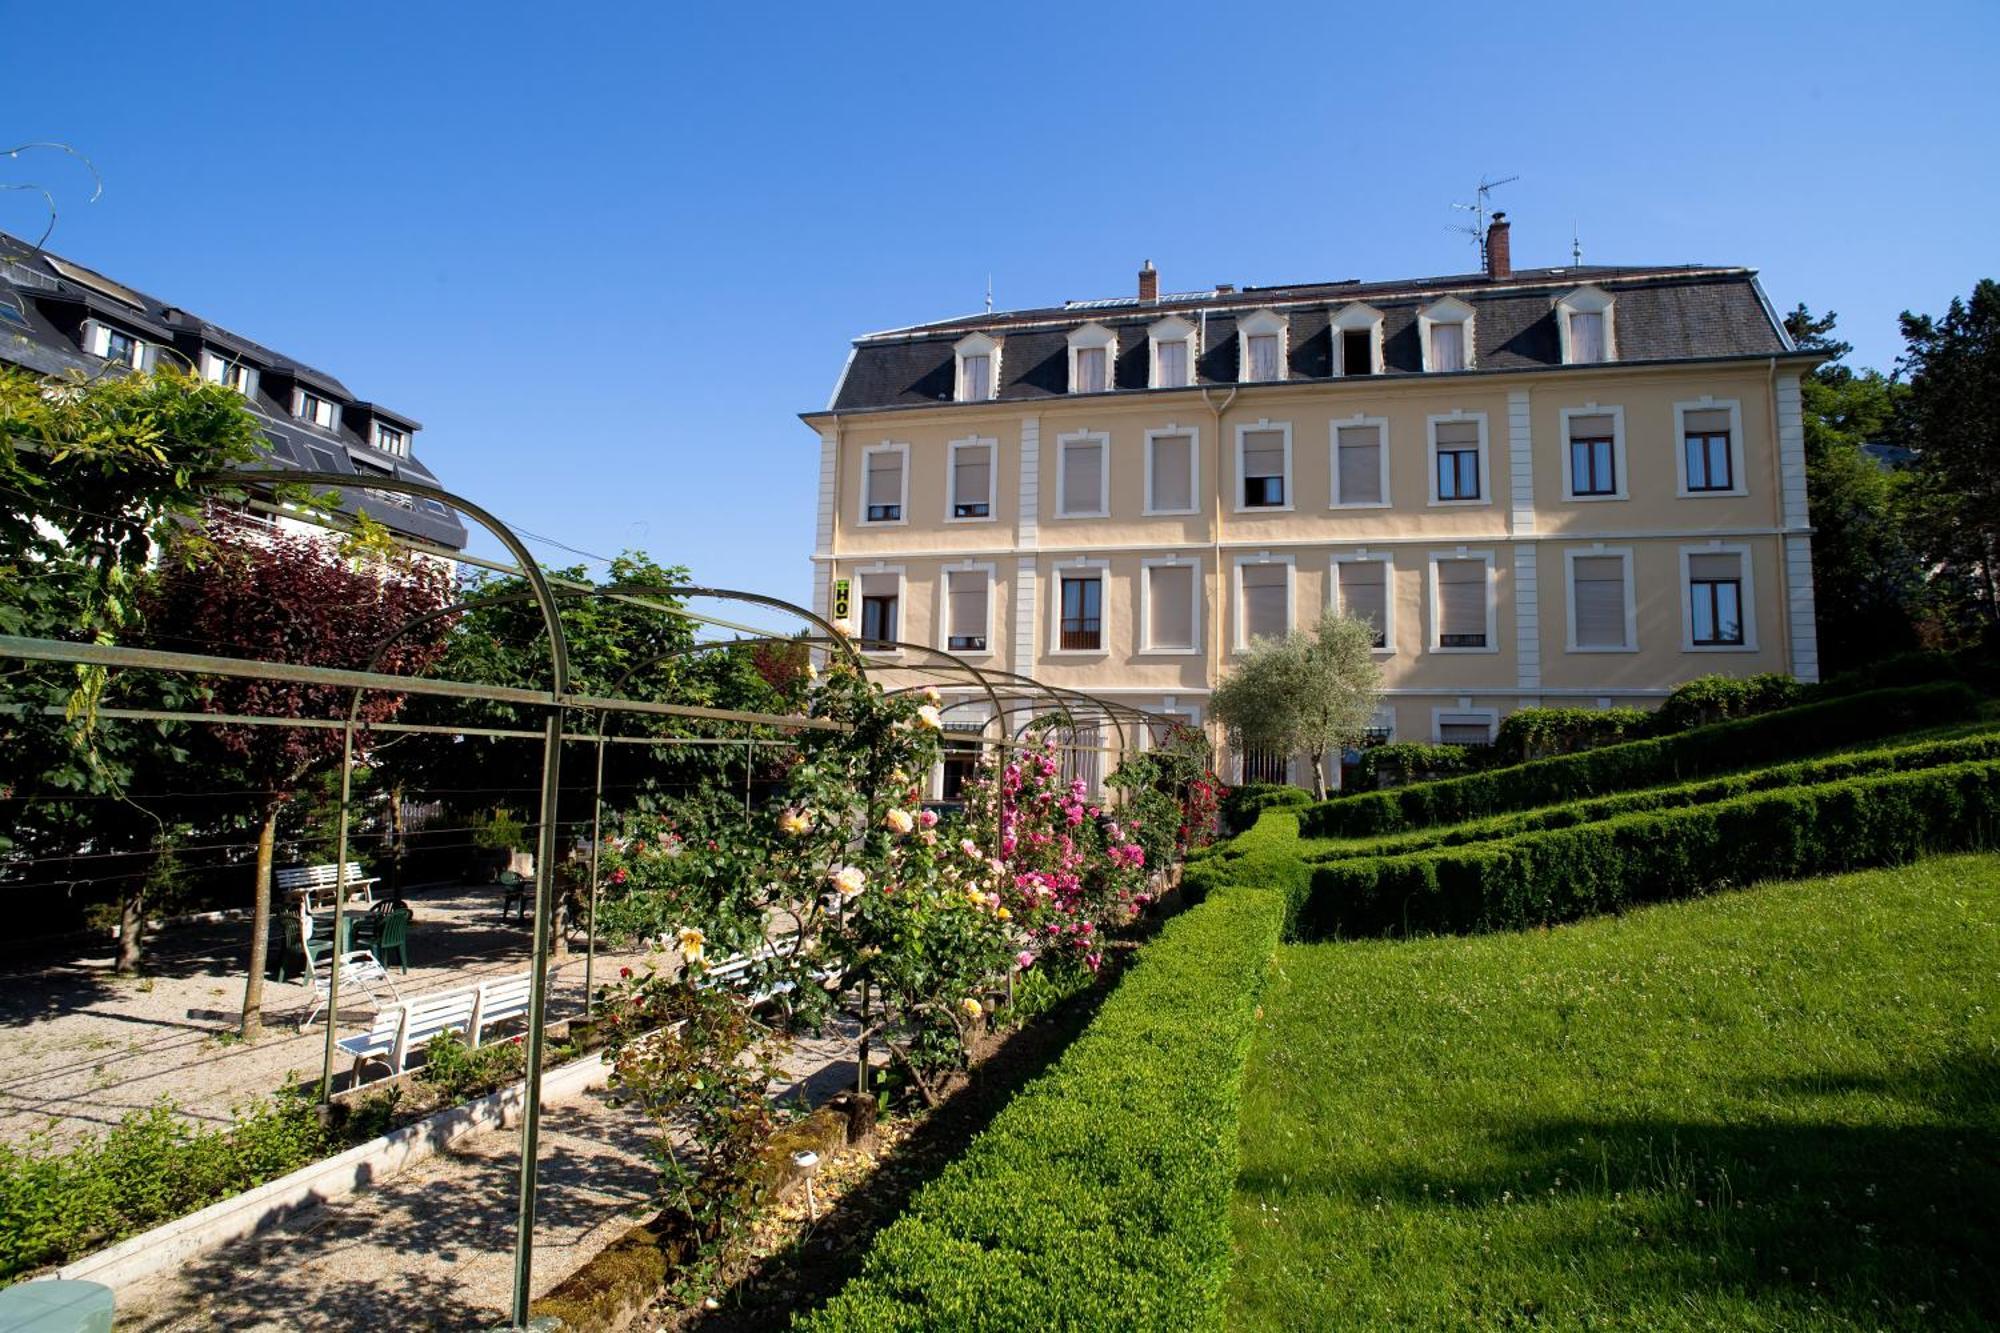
(1264, 466)
(885, 482)
(881, 609)
(968, 609)
(1357, 340)
(972, 480)
(1080, 609)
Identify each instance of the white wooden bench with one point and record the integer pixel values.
(734, 974)
(316, 885)
(407, 1027)
(359, 971)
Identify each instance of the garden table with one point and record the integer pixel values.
(52, 1306)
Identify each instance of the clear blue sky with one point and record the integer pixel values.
(607, 257)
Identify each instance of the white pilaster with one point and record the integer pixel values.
(1527, 618)
(829, 496)
(1520, 466)
(1792, 453)
(1027, 535)
(1802, 619)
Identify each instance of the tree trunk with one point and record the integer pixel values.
(131, 929)
(260, 929)
(399, 835)
(1319, 773)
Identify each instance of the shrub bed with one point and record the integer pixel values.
(1561, 874)
(1716, 749)
(1099, 1198)
(1243, 804)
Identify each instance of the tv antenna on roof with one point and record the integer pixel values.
(1482, 195)
(989, 293)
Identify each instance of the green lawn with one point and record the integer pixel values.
(1770, 1109)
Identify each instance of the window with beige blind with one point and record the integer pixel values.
(1090, 370)
(1457, 476)
(1262, 454)
(1707, 451)
(1363, 589)
(1360, 464)
(1170, 474)
(1461, 603)
(976, 378)
(1266, 591)
(1263, 356)
(1593, 463)
(1586, 336)
(972, 480)
(883, 497)
(966, 596)
(1598, 619)
(1464, 729)
(1171, 365)
(1447, 347)
(1715, 599)
(1082, 481)
(1170, 614)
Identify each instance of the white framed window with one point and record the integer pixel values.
(1261, 350)
(1172, 353)
(1459, 474)
(879, 605)
(1083, 475)
(1363, 586)
(1381, 728)
(1709, 448)
(392, 439)
(1170, 605)
(1264, 466)
(1597, 590)
(115, 345)
(1076, 608)
(1173, 469)
(309, 406)
(1585, 327)
(976, 360)
(1718, 599)
(973, 479)
(885, 483)
(1357, 340)
(224, 370)
(1593, 452)
(1170, 713)
(1445, 333)
(1263, 597)
(1360, 468)
(1464, 726)
(1463, 618)
(965, 610)
(1093, 358)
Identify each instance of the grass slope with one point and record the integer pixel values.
(1778, 1109)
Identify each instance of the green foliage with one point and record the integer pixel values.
(1951, 418)
(1402, 762)
(1173, 795)
(458, 1073)
(1309, 693)
(1539, 733)
(1098, 1198)
(1243, 804)
(1709, 699)
(498, 830)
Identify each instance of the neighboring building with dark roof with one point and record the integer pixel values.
(57, 317)
(1555, 486)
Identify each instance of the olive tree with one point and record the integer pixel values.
(1311, 692)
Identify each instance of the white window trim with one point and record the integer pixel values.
(393, 452)
(992, 572)
(1449, 310)
(1381, 425)
(1431, 425)
(1587, 301)
(1258, 323)
(1102, 568)
(1239, 638)
(1291, 495)
(1172, 329)
(901, 572)
(1741, 551)
(1186, 713)
(1063, 442)
(1353, 319)
(975, 344)
(1438, 715)
(1146, 566)
(861, 510)
(1435, 610)
(1194, 468)
(1707, 403)
(215, 368)
(98, 335)
(1388, 562)
(299, 394)
(1094, 335)
(1384, 717)
(1617, 415)
(951, 496)
(1570, 556)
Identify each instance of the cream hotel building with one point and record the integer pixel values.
(1558, 486)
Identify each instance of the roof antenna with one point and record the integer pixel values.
(1482, 196)
(989, 293)
(1575, 248)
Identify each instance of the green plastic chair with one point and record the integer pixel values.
(392, 936)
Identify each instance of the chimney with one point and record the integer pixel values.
(1149, 282)
(1499, 258)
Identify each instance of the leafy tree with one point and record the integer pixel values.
(1311, 692)
(1951, 417)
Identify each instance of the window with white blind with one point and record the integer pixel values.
(1090, 365)
(1261, 346)
(1594, 462)
(1444, 333)
(1264, 601)
(972, 477)
(1172, 341)
(1585, 327)
(1463, 728)
(1083, 464)
(1458, 460)
(1170, 472)
(1586, 336)
(1263, 356)
(978, 358)
(1447, 347)
(1170, 614)
(1264, 456)
(968, 596)
(1717, 598)
(1461, 607)
(1711, 449)
(1092, 350)
(884, 482)
(1361, 591)
(1172, 366)
(1601, 613)
(1361, 463)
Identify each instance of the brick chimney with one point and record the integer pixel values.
(1499, 256)
(1149, 282)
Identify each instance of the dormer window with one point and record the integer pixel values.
(392, 440)
(1357, 340)
(1092, 350)
(1172, 342)
(1445, 329)
(1262, 352)
(321, 412)
(219, 369)
(1584, 325)
(978, 359)
(114, 345)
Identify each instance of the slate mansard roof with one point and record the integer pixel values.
(1661, 314)
(45, 299)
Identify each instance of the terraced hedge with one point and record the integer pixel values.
(1099, 1198)
(1722, 748)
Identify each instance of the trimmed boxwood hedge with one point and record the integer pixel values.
(1243, 804)
(1562, 874)
(1666, 759)
(1099, 1197)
